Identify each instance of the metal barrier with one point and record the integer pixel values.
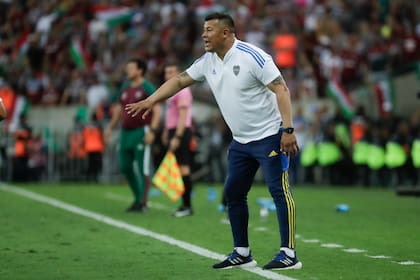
(50, 162)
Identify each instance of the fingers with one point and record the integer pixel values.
(134, 109)
(289, 145)
(290, 149)
(174, 145)
(131, 109)
(145, 113)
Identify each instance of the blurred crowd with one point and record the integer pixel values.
(364, 151)
(73, 52)
(57, 52)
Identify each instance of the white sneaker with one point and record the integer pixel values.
(183, 212)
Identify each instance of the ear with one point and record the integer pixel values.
(225, 32)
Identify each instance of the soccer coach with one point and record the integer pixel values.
(255, 103)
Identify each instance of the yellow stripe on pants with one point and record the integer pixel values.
(291, 209)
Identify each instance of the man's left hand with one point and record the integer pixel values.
(288, 144)
(174, 144)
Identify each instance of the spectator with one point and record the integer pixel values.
(50, 96)
(301, 128)
(34, 84)
(256, 35)
(285, 47)
(75, 90)
(347, 40)
(97, 94)
(76, 153)
(20, 158)
(37, 158)
(94, 147)
(35, 53)
(406, 174)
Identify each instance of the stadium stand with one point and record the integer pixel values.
(350, 66)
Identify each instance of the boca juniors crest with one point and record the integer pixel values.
(236, 69)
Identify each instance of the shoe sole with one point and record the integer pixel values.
(295, 266)
(250, 264)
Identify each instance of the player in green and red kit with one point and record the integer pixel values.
(137, 134)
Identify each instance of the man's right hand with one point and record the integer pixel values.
(149, 138)
(144, 107)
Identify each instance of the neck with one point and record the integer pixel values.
(137, 81)
(227, 46)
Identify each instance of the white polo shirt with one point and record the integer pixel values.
(238, 83)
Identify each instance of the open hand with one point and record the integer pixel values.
(288, 144)
(144, 107)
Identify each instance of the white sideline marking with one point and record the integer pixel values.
(331, 245)
(407, 263)
(311, 240)
(378, 257)
(260, 229)
(354, 250)
(135, 229)
(117, 197)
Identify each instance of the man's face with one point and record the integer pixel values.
(170, 72)
(213, 35)
(132, 71)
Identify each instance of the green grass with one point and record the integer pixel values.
(39, 241)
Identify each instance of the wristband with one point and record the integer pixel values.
(289, 130)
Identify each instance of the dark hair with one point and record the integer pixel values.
(140, 63)
(224, 18)
(172, 62)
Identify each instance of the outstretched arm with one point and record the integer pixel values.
(168, 89)
(288, 143)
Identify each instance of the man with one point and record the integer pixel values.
(94, 147)
(136, 134)
(251, 94)
(177, 135)
(3, 112)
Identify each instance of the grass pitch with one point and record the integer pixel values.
(378, 238)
